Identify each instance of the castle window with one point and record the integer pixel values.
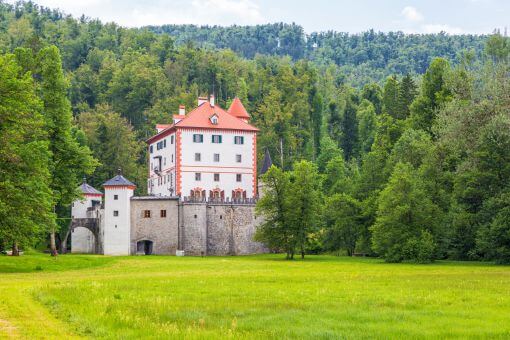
(238, 177)
(171, 139)
(238, 158)
(197, 138)
(197, 157)
(163, 213)
(216, 157)
(115, 213)
(164, 143)
(172, 158)
(238, 140)
(198, 176)
(216, 139)
(151, 148)
(216, 177)
(146, 214)
(164, 161)
(115, 197)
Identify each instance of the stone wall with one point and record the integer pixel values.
(220, 229)
(199, 229)
(162, 231)
(194, 228)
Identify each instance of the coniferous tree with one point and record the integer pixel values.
(406, 94)
(433, 94)
(391, 97)
(349, 140)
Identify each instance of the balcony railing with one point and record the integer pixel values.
(219, 200)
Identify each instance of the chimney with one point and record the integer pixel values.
(182, 110)
(211, 100)
(201, 100)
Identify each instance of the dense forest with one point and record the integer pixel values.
(362, 58)
(391, 144)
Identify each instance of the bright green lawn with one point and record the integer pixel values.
(250, 297)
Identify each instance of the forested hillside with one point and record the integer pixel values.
(362, 58)
(402, 165)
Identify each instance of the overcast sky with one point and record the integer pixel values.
(420, 16)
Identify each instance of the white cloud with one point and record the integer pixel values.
(436, 28)
(412, 14)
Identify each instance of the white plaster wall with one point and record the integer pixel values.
(161, 187)
(227, 167)
(117, 229)
(82, 240)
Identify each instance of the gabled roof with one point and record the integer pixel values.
(118, 180)
(88, 190)
(237, 109)
(199, 118)
(267, 162)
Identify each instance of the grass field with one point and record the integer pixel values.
(250, 297)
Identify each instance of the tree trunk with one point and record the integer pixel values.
(63, 244)
(15, 249)
(53, 244)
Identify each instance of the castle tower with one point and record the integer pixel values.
(117, 215)
(82, 240)
(266, 164)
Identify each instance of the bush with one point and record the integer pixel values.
(421, 249)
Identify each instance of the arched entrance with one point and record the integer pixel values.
(144, 247)
(77, 224)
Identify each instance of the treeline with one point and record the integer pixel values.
(363, 58)
(405, 173)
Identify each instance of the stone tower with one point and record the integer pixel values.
(117, 215)
(82, 239)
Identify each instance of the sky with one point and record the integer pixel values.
(419, 16)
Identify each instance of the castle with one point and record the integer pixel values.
(202, 190)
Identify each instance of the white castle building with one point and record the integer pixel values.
(202, 189)
(208, 152)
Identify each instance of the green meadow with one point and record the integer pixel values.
(322, 297)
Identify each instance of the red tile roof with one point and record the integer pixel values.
(237, 109)
(162, 126)
(200, 118)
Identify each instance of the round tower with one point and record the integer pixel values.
(117, 215)
(82, 240)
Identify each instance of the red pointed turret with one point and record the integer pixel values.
(237, 110)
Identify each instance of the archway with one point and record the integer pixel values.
(144, 247)
(83, 241)
(88, 223)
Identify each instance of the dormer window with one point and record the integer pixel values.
(214, 119)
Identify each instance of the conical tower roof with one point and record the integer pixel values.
(118, 180)
(87, 189)
(237, 109)
(267, 162)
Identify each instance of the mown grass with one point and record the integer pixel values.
(258, 297)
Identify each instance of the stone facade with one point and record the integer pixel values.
(158, 227)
